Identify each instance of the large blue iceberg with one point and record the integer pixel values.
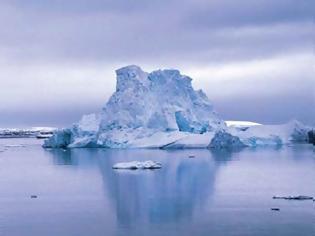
(162, 110)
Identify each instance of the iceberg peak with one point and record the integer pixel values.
(130, 77)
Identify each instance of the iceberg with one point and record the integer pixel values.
(161, 109)
(146, 108)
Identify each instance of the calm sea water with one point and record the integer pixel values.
(215, 193)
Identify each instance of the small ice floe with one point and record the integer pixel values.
(43, 136)
(295, 198)
(134, 165)
(275, 209)
(14, 145)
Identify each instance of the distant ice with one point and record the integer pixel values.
(14, 145)
(24, 132)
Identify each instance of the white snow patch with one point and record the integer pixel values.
(241, 124)
(158, 139)
(191, 141)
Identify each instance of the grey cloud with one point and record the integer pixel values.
(248, 13)
(37, 34)
(276, 108)
(159, 31)
(84, 6)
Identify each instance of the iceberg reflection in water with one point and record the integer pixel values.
(168, 195)
(217, 193)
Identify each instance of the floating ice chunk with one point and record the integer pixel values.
(300, 197)
(43, 136)
(275, 209)
(14, 145)
(60, 139)
(133, 165)
(222, 139)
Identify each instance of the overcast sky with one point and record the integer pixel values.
(254, 59)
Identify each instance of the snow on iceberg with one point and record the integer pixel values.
(133, 165)
(191, 141)
(240, 124)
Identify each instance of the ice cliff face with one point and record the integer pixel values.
(143, 105)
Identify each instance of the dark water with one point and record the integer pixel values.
(215, 193)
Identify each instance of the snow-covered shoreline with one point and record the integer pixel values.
(25, 132)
